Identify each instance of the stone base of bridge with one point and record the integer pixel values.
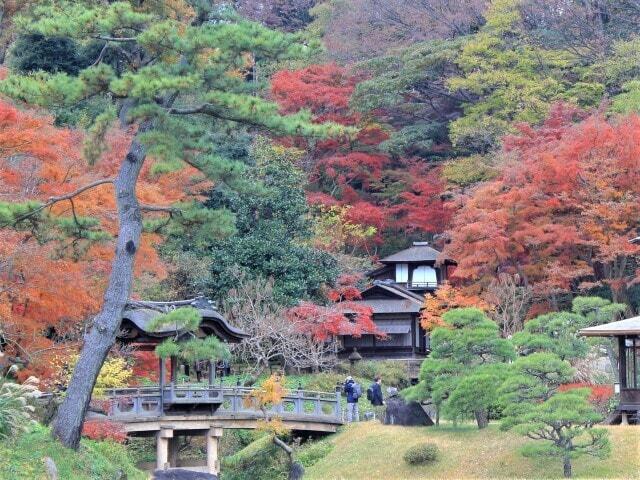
(167, 448)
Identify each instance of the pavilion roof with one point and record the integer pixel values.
(630, 326)
(139, 314)
(419, 252)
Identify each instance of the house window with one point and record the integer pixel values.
(402, 272)
(424, 276)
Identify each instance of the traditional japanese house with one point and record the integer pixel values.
(627, 336)
(396, 295)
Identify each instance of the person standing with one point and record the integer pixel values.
(353, 391)
(376, 392)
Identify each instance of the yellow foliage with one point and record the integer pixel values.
(265, 397)
(115, 373)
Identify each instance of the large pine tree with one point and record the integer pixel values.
(168, 74)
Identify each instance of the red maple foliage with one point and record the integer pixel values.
(345, 316)
(104, 430)
(394, 195)
(599, 396)
(561, 212)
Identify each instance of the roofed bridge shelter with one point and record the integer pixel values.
(168, 410)
(627, 334)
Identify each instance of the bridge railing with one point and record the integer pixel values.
(150, 402)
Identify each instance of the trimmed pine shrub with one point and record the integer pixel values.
(421, 454)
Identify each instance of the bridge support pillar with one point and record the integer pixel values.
(213, 438)
(174, 447)
(162, 448)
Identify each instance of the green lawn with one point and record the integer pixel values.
(369, 451)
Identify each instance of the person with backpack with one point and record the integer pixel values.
(354, 392)
(374, 392)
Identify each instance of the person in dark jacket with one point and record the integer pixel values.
(376, 388)
(353, 415)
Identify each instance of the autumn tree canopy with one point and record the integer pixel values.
(561, 213)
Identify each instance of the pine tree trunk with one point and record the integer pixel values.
(567, 466)
(482, 418)
(97, 343)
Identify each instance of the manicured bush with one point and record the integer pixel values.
(421, 454)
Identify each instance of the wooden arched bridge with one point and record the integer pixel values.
(171, 411)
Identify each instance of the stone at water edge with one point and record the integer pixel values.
(399, 412)
(182, 474)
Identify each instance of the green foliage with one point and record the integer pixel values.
(564, 425)
(421, 454)
(513, 79)
(183, 318)
(557, 332)
(21, 458)
(208, 348)
(410, 85)
(35, 52)
(392, 373)
(535, 378)
(168, 348)
(272, 225)
(465, 366)
(321, 382)
(260, 459)
(476, 391)
(465, 171)
(194, 349)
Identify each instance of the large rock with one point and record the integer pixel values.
(182, 474)
(411, 414)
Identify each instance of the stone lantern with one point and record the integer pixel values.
(354, 357)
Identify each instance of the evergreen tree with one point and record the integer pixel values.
(565, 426)
(176, 73)
(463, 369)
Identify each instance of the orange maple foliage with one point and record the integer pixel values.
(47, 295)
(562, 211)
(445, 298)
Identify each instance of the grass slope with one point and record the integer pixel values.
(370, 450)
(22, 458)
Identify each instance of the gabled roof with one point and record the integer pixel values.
(396, 290)
(400, 299)
(138, 315)
(418, 252)
(630, 326)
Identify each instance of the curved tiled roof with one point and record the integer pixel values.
(139, 314)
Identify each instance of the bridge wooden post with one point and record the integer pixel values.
(162, 447)
(213, 438)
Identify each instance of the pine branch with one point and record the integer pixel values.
(61, 198)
